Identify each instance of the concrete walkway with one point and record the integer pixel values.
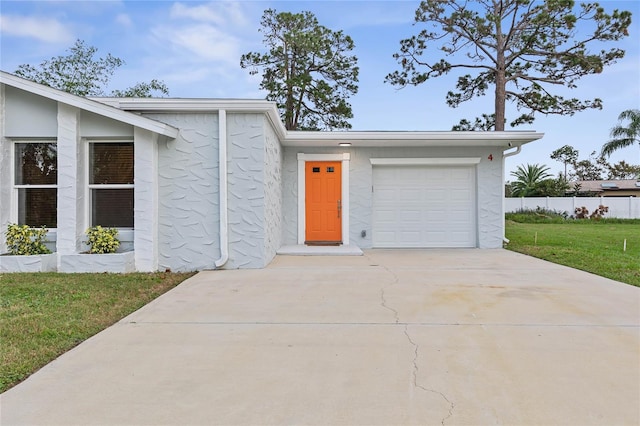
(424, 337)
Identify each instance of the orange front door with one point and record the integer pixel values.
(323, 192)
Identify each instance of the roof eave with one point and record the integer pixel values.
(88, 105)
(325, 138)
(167, 105)
(409, 139)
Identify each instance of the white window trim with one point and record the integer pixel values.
(302, 159)
(89, 187)
(13, 212)
(447, 161)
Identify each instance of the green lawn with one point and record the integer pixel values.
(596, 247)
(44, 315)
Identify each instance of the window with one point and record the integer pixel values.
(35, 180)
(111, 184)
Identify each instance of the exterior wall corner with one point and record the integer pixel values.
(145, 215)
(71, 181)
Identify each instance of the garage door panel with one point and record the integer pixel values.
(432, 174)
(424, 206)
(435, 216)
(411, 216)
(434, 194)
(409, 195)
(410, 236)
(388, 216)
(460, 237)
(460, 195)
(386, 194)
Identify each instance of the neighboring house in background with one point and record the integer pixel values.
(198, 184)
(608, 188)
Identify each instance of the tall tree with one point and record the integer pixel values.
(623, 170)
(142, 90)
(307, 71)
(521, 48)
(486, 123)
(566, 155)
(528, 179)
(551, 187)
(593, 168)
(80, 73)
(623, 136)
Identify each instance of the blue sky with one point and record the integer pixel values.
(195, 47)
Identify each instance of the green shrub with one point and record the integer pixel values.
(102, 240)
(23, 240)
(538, 215)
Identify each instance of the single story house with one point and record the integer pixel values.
(196, 184)
(607, 188)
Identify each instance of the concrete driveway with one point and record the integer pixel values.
(442, 337)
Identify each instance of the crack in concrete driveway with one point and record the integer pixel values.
(415, 367)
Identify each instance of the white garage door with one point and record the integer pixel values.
(424, 206)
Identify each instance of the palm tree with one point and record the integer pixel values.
(623, 137)
(528, 179)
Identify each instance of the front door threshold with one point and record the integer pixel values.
(323, 243)
(307, 250)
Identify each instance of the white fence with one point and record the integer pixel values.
(619, 207)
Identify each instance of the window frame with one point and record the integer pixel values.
(14, 213)
(92, 186)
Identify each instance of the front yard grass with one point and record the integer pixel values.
(591, 246)
(43, 315)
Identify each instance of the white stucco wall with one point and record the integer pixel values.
(489, 191)
(188, 212)
(5, 174)
(145, 214)
(246, 164)
(29, 115)
(71, 182)
(272, 191)
(177, 196)
(189, 192)
(95, 126)
(34, 117)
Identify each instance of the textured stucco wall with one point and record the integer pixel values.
(5, 174)
(246, 162)
(189, 192)
(29, 115)
(489, 192)
(490, 201)
(273, 192)
(145, 212)
(188, 197)
(32, 116)
(119, 263)
(96, 126)
(71, 181)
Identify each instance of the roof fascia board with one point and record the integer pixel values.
(200, 105)
(411, 139)
(323, 138)
(523, 137)
(88, 105)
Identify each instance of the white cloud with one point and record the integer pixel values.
(214, 33)
(124, 20)
(220, 13)
(44, 29)
(207, 43)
